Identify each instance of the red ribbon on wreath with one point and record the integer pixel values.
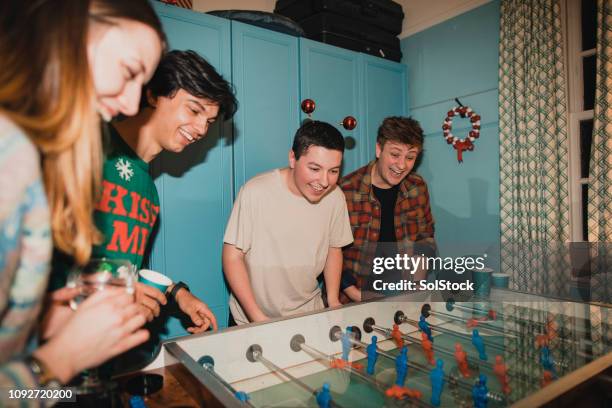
(466, 143)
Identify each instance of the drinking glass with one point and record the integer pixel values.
(99, 274)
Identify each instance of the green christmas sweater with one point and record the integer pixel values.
(125, 213)
(129, 204)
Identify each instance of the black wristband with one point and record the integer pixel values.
(177, 286)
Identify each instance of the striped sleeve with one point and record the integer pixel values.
(25, 250)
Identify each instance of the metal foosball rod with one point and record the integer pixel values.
(494, 315)
(369, 326)
(255, 354)
(450, 306)
(209, 365)
(400, 318)
(336, 332)
(385, 330)
(298, 343)
(426, 311)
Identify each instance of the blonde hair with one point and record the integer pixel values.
(46, 88)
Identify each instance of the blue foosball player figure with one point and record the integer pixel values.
(242, 396)
(437, 382)
(372, 355)
(401, 366)
(480, 392)
(346, 344)
(137, 402)
(324, 397)
(424, 327)
(478, 342)
(547, 361)
(398, 390)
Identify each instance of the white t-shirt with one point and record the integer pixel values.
(285, 239)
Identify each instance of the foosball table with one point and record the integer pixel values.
(420, 349)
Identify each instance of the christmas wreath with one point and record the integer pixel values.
(466, 143)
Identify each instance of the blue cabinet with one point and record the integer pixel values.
(272, 73)
(346, 83)
(331, 77)
(195, 187)
(265, 76)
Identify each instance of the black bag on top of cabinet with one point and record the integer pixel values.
(347, 27)
(271, 21)
(366, 47)
(385, 14)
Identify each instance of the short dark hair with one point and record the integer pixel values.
(401, 130)
(188, 71)
(315, 133)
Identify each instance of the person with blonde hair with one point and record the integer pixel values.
(65, 64)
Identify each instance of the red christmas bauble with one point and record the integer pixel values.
(308, 106)
(349, 123)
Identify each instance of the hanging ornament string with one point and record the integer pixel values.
(466, 143)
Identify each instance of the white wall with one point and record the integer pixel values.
(420, 14)
(209, 5)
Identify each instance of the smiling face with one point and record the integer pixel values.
(181, 120)
(315, 173)
(122, 57)
(395, 161)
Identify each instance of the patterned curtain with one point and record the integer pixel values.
(600, 172)
(533, 147)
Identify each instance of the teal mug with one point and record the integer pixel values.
(501, 280)
(482, 282)
(154, 279)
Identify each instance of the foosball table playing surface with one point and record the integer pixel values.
(513, 349)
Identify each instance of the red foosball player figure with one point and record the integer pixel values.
(396, 334)
(461, 358)
(501, 371)
(427, 348)
(401, 392)
(471, 323)
(492, 314)
(547, 378)
(340, 363)
(542, 340)
(551, 327)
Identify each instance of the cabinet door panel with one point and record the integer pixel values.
(195, 186)
(331, 77)
(385, 91)
(265, 72)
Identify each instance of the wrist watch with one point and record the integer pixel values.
(177, 286)
(43, 375)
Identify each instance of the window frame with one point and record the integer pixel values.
(576, 113)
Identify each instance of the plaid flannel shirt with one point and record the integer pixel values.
(414, 224)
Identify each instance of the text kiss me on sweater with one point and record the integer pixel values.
(115, 201)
